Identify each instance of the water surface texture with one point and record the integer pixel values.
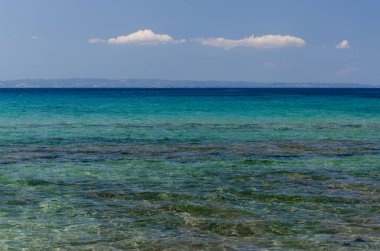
(190, 169)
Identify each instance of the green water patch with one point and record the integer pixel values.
(296, 203)
(251, 152)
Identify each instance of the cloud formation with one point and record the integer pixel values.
(343, 45)
(266, 41)
(348, 70)
(35, 37)
(95, 40)
(142, 37)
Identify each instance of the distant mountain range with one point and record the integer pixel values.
(157, 83)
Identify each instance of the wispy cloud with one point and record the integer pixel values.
(266, 42)
(142, 37)
(344, 44)
(348, 70)
(37, 37)
(96, 40)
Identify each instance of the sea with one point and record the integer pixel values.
(190, 169)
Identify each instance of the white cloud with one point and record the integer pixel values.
(343, 45)
(143, 37)
(267, 41)
(95, 40)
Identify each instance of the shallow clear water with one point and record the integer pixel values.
(244, 169)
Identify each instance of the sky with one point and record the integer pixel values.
(229, 40)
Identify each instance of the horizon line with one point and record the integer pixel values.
(86, 82)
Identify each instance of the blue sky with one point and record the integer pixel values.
(293, 40)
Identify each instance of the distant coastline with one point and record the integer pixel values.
(161, 83)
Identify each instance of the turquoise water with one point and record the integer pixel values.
(185, 169)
